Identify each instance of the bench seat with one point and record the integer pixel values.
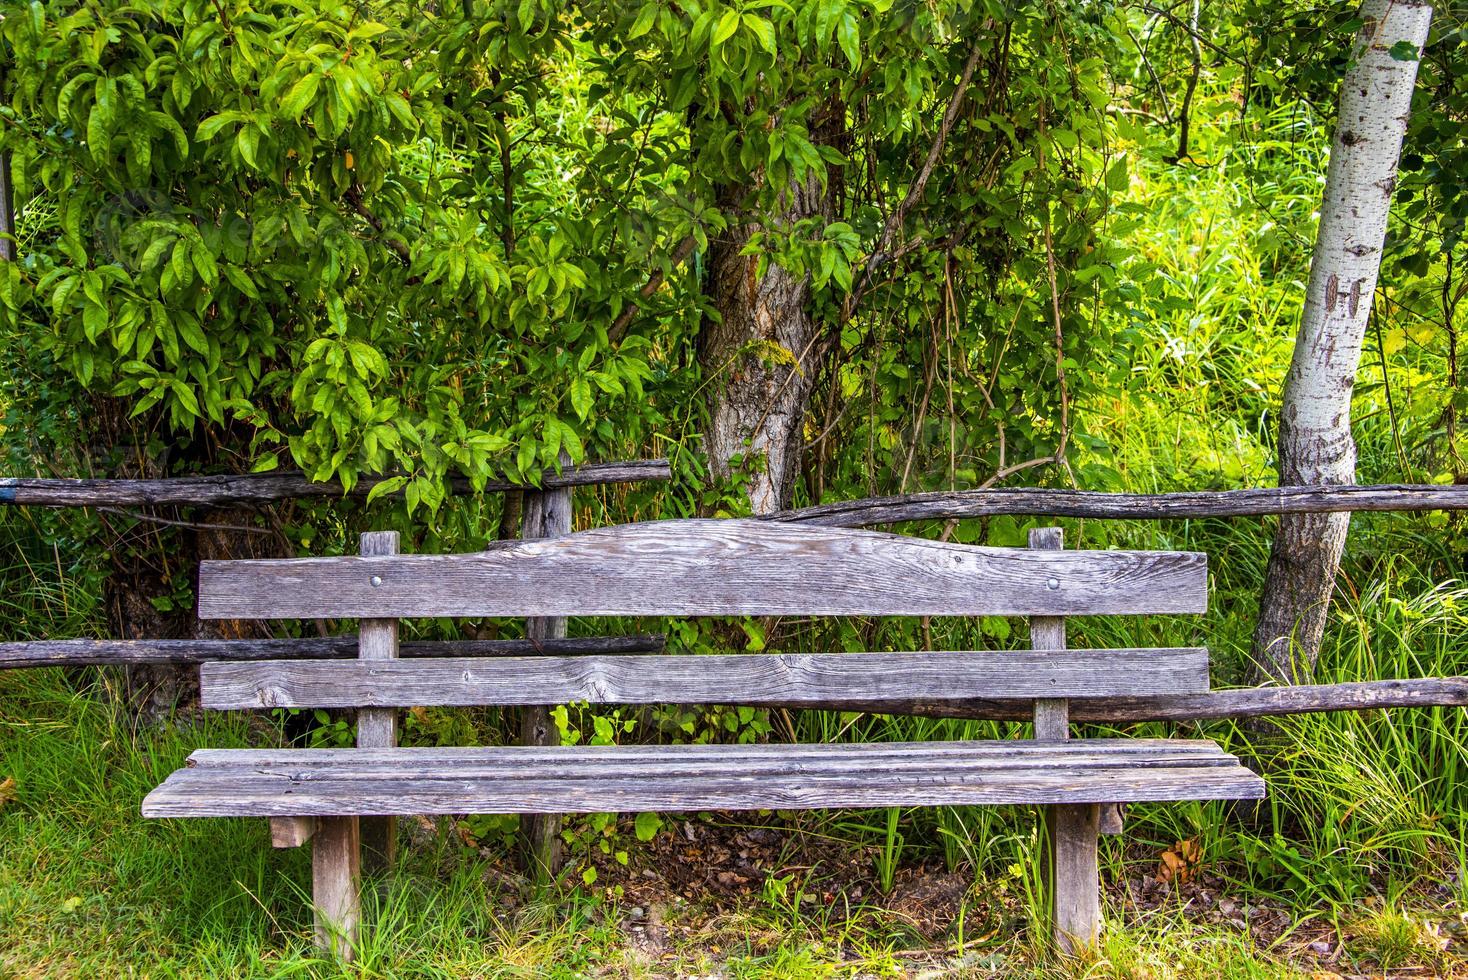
(591, 779)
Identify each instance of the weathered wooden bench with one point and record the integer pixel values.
(702, 568)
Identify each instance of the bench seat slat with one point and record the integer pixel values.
(575, 779)
(722, 679)
(711, 568)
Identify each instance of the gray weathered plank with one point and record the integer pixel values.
(1076, 901)
(576, 779)
(104, 653)
(721, 679)
(592, 759)
(715, 568)
(377, 728)
(547, 515)
(1052, 713)
(336, 875)
(1070, 828)
(291, 831)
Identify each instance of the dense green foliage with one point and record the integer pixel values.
(401, 238)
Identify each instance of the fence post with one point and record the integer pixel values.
(547, 514)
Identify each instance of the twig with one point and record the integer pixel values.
(192, 525)
(619, 325)
(895, 220)
(353, 197)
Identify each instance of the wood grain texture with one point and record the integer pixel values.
(548, 514)
(787, 679)
(715, 568)
(104, 653)
(1070, 828)
(1026, 502)
(336, 876)
(1244, 702)
(377, 643)
(566, 779)
(1076, 900)
(286, 832)
(377, 728)
(588, 758)
(1047, 633)
(282, 485)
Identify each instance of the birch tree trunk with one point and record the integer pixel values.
(1315, 444)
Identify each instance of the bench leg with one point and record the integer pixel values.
(1075, 879)
(336, 872)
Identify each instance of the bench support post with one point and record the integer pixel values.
(336, 884)
(1071, 829)
(377, 728)
(547, 515)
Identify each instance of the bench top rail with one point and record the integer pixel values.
(721, 679)
(711, 568)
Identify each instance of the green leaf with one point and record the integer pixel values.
(98, 143)
(763, 31)
(300, 97)
(211, 126)
(581, 396)
(185, 396)
(386, 487)
(204, 262)
(192, 334)
(1404, 51)
(647, 826)
(728, 24)
(848, 35)
(645, 17)
(247, 141)
(94, 320)
(1117, 178)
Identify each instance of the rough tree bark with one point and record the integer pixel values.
(1315, 444)
(7, 212)
(761, 352)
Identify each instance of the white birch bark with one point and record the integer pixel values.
(1315, 444)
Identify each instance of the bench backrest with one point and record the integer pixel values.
(709, 568)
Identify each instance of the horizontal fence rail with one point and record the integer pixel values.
(1243, 702)
(960, 504)
(266, 487)
(104, 653)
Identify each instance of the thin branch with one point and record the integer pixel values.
(624, 319)
(895, 220)
(191, 525)
(353, 197)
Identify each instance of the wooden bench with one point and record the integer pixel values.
(335, 797)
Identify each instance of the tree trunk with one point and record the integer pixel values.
(761, 355)
(7, 212)
(1315, 444)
